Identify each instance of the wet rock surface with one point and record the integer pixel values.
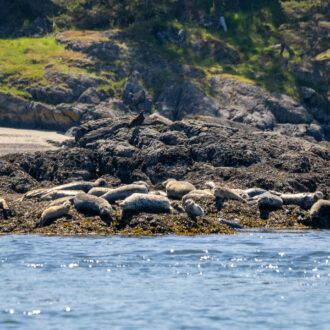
(233, 155)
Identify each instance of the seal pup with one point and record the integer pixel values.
(52, 213)
(56, 194)
(177, 189)
(146, 203)
(85, 186)
(93, 205)
(304, 200)
(122, 192)
(192, 209)
(227, 193)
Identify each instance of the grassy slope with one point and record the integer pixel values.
(22, 62)
(253, 33)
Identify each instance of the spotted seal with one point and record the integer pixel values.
(176, 189)
(122, 192)
(199, 195)
(52, 213)
(56, 194)
(93, 205)
(192, 209)
(34, 193)
(146, 203)
(304, 200)
(85, 186)
(227, 193)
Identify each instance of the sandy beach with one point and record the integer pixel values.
(14, 140)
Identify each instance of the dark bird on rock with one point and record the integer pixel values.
(138, 120)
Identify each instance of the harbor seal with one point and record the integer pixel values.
(85, 186)
(270, 200)
(62, 200)
(122, 192)
(231, 224)
(54, 212)
(98, 191)
(199, 195)
(177, 189)
(227, 193)
(34, 193)
(93, 205)
(146, 203)
(193, 209)
(252, 192)
(56, 194)
(304, 200)
(320, 214)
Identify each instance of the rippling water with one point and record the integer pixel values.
(250, 280)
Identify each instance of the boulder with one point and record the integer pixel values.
(91, 96)
(134, 93)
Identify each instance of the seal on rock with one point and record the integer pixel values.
(93, 205)
(320, 214)
(34, 193)
(99, 191)
(231, 224)
(176, 189)
(62, 201)
(304, 200)
(56, 194)
(85, 186)
(270, 200)
(146, 203)
(227, 193)
(252, 192)
(54, 212)
(158, 192)
(193, 209)
(199, 195)
(122, 192)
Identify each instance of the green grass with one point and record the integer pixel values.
(251, 33)
(22, 62)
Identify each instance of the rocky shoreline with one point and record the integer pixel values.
(291, 175)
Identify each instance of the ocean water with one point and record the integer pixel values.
(253, 280)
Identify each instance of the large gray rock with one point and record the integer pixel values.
(286, 110)
(15, 111)
(181, 101)
(254, 105)
(134, 93)
(90, 96)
